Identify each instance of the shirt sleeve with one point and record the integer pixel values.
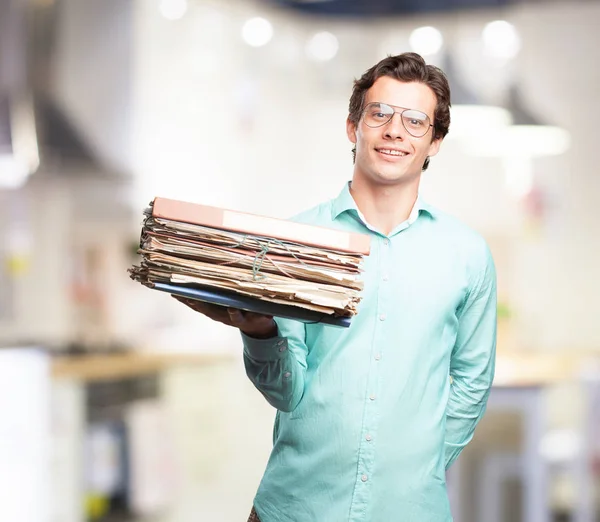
(277, 366)
(472, 362)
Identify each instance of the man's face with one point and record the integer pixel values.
(389, 155)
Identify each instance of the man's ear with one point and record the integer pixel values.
(351, 130)
(434, 147)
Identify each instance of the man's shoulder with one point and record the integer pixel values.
(317, 215)
(460, 234)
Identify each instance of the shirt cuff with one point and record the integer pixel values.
(265, 350)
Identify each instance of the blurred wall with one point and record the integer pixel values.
(93, 74)
(33, 228)
(191, 111)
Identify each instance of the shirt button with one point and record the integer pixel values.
(382, 317)
(377, 356)
(287, 374)
(372, 397)
(385, 277)
(364, 478)
(386, 242)
(369, 438)
(282, 348)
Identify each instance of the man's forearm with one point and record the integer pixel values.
(466, 406)
(274, 370)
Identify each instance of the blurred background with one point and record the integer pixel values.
(120, 405)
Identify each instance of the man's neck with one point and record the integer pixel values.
(384, 207)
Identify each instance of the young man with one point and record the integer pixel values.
(370, 417)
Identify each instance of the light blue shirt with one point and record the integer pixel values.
(370, 417)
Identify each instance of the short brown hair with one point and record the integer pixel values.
(406, 67)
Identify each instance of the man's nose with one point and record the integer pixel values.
(394, 128)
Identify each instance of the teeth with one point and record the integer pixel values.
(392, 152)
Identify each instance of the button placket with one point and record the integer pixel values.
(362, 493)
(382, 317)
(384, 266)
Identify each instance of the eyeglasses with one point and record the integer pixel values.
(415, 122)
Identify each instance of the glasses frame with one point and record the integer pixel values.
(404, 109)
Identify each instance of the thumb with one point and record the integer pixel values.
(235, 316)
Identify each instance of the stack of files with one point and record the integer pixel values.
(250, 262)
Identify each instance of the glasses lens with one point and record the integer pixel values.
(378, 114)
(415, 122)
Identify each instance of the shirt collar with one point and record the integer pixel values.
(345, 202)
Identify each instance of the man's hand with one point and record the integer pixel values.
(252, 324)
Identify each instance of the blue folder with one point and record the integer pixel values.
(251, 304)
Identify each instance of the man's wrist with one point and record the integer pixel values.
(266, 333)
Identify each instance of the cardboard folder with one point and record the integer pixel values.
(236, 221)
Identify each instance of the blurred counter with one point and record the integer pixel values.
(512, 368)
(117, 366)
(539, 369)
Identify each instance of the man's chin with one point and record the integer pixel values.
(395, 178)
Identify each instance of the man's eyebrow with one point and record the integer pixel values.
(400, 107)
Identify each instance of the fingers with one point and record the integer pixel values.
(254, 324)
(217, 313)
(242, 318)
(236, 317)
(254, 315)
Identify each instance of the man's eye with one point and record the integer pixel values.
(416, 123)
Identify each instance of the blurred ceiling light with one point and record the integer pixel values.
(426, 40)
(19, 155)
(13, 172)
(469, 116)
(173, 9)
(501, 40)
(322, 47)
(257, 32)
(518, 144)
(476, 120)
(528, 136)
(522, 141)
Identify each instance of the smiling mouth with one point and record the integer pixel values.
(391, 152)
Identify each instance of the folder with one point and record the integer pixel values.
(256, 263)
(254, 224)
